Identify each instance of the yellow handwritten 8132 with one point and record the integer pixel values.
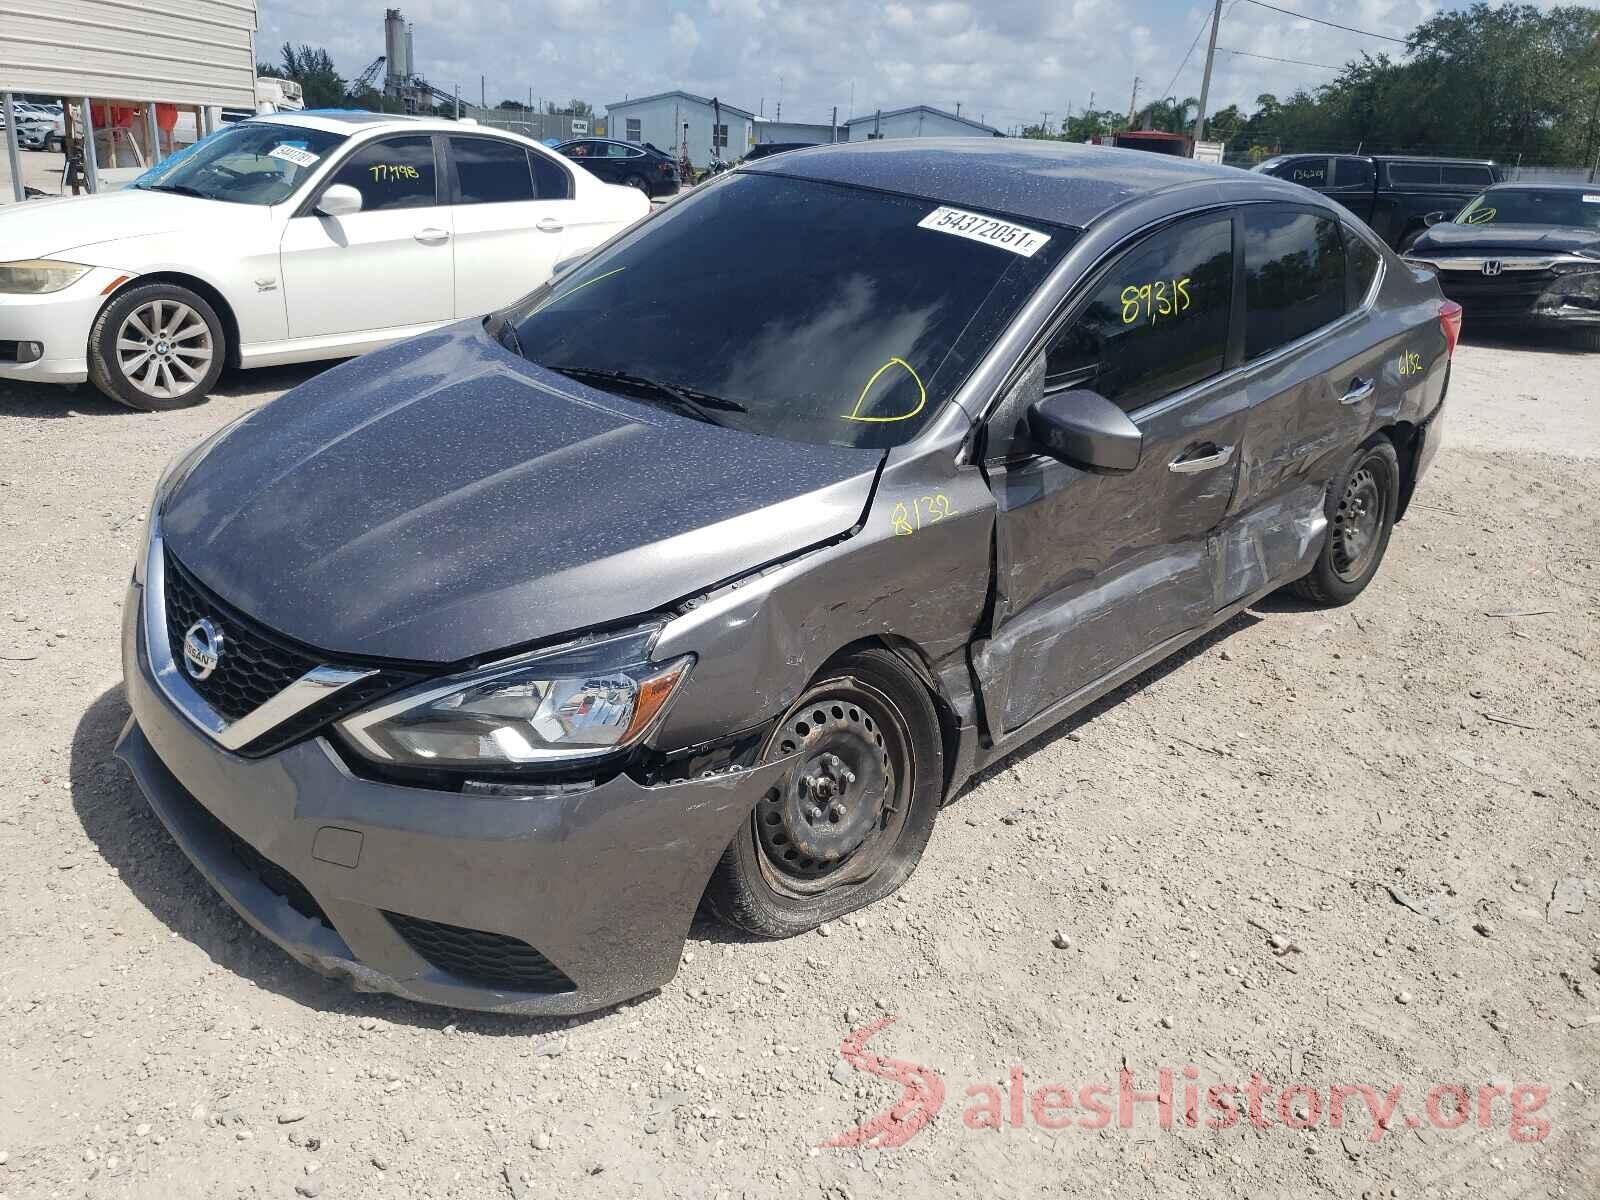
(1152, 301)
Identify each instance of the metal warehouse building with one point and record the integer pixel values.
(128, 58)
(917, 121)
(660, 120)
(769, 131)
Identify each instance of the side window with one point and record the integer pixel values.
(1308, 172)
(1294, 267)
(1472, 176)
(1352, 173)
(551, 181)
(392, 173)
(1157, 322)
(488, 171)
(1363, 265)
(618, 150)
(1413, 174)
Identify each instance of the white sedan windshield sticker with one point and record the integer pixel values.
(1018, 239)
(295, 155)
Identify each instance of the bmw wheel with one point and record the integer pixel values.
(156, 347)
(847, 823)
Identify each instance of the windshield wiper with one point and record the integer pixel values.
(697, 404)
(181, 189)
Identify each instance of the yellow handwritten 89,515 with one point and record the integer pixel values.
(383, 172)
(1152, 301)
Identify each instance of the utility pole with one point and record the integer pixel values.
(458, 102)
(1133, 100)
(483, 92)
(958, 108)
(1046, 123)
(833, 125)
(779, 115)
(1205, 82)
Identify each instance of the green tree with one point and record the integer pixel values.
(314, 71)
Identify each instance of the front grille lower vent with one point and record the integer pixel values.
(476, 956)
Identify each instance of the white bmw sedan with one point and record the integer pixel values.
(284, 239)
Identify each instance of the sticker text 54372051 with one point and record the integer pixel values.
(991, 231)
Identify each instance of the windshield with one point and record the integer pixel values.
(793, 308)
(1572, 209)
(247, 163)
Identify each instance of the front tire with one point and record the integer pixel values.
(1361, 506)
(847, 824)
(156, 347)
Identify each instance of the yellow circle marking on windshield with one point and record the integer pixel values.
(922, 394)
(1481, 217)
(552, 299)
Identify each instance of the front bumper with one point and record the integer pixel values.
(601, 884)
(60, 321)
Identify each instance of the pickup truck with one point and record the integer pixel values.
(1393, 194)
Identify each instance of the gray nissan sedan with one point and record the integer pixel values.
(470, 669)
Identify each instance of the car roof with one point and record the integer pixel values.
(1060, 182)
(352, 121)
(1429, 158)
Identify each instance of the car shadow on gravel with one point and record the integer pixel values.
(55, 401)
(1548, 341)
(132, 840)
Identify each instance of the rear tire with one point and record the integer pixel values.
(1589, 339)
(156, 347)
(847, 824)
(639, 183)
(1361, 506)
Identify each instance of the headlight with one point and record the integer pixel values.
(581, 701)
(36, 276)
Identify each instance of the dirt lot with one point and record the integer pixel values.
(1332, 849)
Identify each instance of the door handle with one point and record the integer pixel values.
(1219, 457)
(432, 237)
(549, 225)
(1359, 391)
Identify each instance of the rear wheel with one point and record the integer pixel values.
(1361, 506)
(640, 183)
(156, 347)
(848, 821)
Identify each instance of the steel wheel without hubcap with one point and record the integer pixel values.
(164, 349)
(1356, 523)
(836, 815)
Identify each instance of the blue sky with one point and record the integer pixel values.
(1004, 60)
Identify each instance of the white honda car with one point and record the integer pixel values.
(284, 239)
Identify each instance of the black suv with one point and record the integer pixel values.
(1392, 194)
(640, 166)
(768, 149)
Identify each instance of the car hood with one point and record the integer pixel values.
(42, 228)
(1509, 239)
(444, 500)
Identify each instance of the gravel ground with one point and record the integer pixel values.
(1331, 849)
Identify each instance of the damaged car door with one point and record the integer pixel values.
(1112, 459)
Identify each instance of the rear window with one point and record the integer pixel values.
(1295, 273)
(1414, 173)
(489, 171)
(1472, 176)
(857, 322)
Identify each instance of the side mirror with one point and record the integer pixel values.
(339, 200)
(1433, 218)
(1085, 429)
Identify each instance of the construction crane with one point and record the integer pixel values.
(366, 78)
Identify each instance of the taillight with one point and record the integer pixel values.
(667, 168)
(1450, 322)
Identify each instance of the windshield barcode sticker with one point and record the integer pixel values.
(295, 155)
(1018, 239)
(1588, 199)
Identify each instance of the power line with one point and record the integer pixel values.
(1331, 24)
(1168, 90)
(1297, 62)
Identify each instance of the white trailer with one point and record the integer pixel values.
(197, 55)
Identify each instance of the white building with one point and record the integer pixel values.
(784, 132)
(919, 120)
(660, 120)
